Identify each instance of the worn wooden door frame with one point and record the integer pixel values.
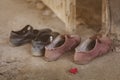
(106, 16)
(66, 11)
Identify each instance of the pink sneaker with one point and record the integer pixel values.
(60, 45)
(92, 48)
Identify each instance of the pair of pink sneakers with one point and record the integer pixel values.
(84, 53)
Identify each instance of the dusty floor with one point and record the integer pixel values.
(16, 63)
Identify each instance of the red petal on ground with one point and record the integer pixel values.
(73, 70)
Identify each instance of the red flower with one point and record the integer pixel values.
(73, 70)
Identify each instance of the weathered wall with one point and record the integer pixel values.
(115, 16)
(90, 11)
(115, 22)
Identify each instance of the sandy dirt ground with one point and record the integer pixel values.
(17, 63)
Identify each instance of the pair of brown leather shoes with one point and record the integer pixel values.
(84, 53)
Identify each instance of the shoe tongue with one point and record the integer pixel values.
(84, 45)
(61, 42)
(91, 45)
(87, 45)
(59, 38)
(56, 42)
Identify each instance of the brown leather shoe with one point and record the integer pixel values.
(60, 45)
(92, 48)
